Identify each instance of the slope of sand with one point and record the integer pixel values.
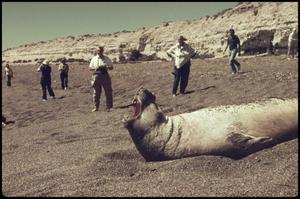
(61, 148)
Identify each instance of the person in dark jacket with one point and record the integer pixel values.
(45, 70)
(3, 121)
(233, 42)
(64, 70)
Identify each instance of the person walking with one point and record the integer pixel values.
(64, 70)
(233, 42)
(8, 74)
(45, 81)
(100, 64)
(182, 53)
(292, 44)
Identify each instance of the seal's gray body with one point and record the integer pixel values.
(233, 131)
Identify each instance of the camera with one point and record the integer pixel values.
(102, 70)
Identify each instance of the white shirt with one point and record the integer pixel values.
(292, 36)
(63, 67)
(97, 62)
(182, 54)
(8, 71)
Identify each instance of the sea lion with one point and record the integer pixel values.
(234, 131)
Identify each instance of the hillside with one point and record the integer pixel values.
(256, 23)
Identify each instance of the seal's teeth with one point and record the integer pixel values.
(135, 101)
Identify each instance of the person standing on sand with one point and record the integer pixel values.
(64, 70)
(233, 42)
(292, 44)
(3, 121)
(100, 64)
(8, 74)
(182, 53)
(45, 82)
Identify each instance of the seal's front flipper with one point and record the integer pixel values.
(243, 144)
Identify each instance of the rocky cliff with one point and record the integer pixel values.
(258, 24)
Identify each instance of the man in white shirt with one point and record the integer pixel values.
(182, 54)
(100, 64)
(292, 43)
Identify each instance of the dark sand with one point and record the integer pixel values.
(61, 148)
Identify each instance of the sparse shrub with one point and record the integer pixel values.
(71, 37)
(134, 55)
(76, 60)
(112, 51)
(106, 35)
(255, 12)
(126, 31)
(17, 61)
(122, 45)
(165, 24)
(122, 58)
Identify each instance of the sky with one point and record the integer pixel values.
(30, 22)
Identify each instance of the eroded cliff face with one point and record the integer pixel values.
(258, 24)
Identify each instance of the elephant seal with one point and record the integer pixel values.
(234, 131)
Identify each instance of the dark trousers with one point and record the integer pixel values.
(64, 80)
(8, 80)
(182, 76)
(46, 85)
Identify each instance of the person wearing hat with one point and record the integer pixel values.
(182, 53)
(292, 43)
(233, 42)
(8, 74)
(100, 64)
(64, 70)
(45, 82)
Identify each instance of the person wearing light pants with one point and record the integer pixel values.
(100, 64)
(233, 42)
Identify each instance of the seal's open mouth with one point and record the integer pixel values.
(137, 108)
